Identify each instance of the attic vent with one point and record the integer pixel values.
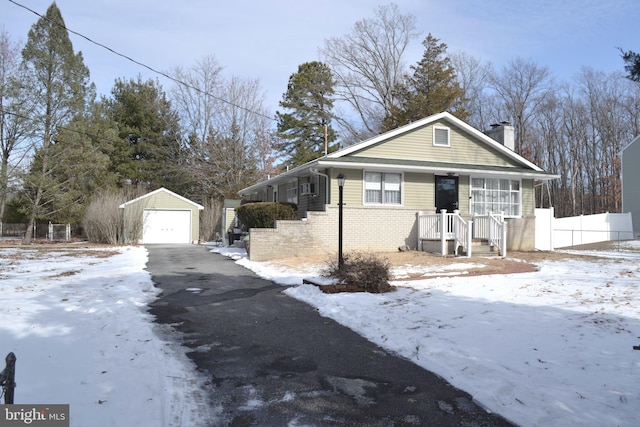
(441, 137)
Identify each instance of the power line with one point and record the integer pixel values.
(144, 65)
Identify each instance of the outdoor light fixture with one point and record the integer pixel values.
(341, 178)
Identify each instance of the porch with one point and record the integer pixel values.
(453, 234)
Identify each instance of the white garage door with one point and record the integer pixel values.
(166, 226)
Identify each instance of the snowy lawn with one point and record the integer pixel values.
(549, 348)
(77, 321)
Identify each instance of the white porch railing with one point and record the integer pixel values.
(498, 233)
(481, 225)
(492, 228)
(444, 227)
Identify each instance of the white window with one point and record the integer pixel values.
(495, 195)
(441, 137)
(382, 188)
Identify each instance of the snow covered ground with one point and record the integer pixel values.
(78, 324)
(549, 348)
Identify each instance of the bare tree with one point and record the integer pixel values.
(239, 130)
(522, 87)
(229, 132)
(367, 64)
(603, 93)
(15, 129)
(198, 101)
(474, 78)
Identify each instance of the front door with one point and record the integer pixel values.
(446, 193)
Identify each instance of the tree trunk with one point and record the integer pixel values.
(28, 235)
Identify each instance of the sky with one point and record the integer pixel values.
(547, 348)
(267, 40)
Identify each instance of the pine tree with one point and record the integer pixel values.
(433, 88)
(149, 143)
(632, 64)
(309, 100)
(81, 150)
(59, 87)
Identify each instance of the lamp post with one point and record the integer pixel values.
(341, 179)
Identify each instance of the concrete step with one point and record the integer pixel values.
(482, 248)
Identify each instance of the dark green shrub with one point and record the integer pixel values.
(364, 270)
(265, 214)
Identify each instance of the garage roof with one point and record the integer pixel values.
(200, 207)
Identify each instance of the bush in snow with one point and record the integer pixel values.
(364, 270)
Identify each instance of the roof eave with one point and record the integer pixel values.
(533, 174)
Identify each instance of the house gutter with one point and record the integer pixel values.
(326, 187)
(442, 170)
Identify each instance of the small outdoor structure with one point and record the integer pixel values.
(230, 230)
(163, 217)
(437, 184)
(630, 182)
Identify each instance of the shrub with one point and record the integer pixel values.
(104, 221)
(364, 270)
(265, 214)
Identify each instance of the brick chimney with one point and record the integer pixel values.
(504, 133)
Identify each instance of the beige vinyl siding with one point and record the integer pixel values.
(418, 190)
(352, 187)
(418, 145)
(464, 191)
(527, 193)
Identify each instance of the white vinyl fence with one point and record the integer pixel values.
(552, 233)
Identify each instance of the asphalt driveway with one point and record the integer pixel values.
(274, 361)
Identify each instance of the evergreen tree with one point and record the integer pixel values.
(433, 88)
(632, 64)
(309, 98)
(149, 150)
(81, 151)
(59, 87)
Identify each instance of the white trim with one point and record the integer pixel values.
(164, 190)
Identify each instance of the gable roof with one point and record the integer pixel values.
(342, 158)
(431, 119)
(162, 190)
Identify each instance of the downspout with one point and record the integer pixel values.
(326, 187)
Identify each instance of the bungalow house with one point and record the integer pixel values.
(435, 184)
(631, 183)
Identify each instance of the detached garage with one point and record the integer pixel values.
(163, 216)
